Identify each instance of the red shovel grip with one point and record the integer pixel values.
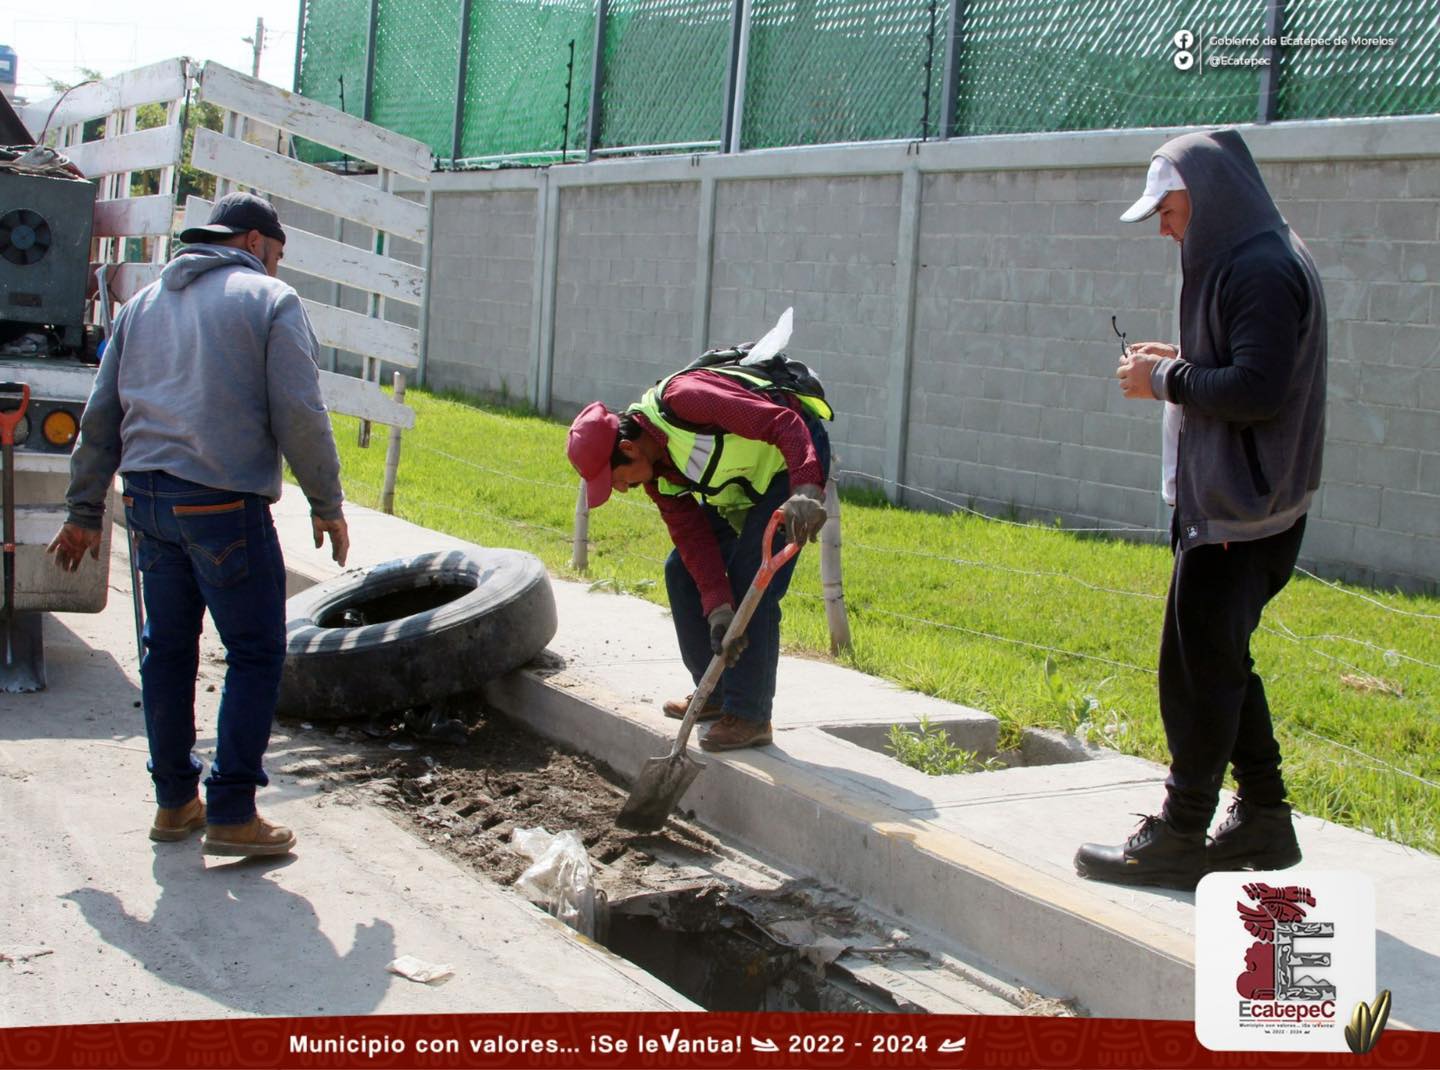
(773, 563)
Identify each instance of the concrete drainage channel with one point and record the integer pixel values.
(722, 927)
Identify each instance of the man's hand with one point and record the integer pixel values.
(1134, 374)
(71, 543)
(804, 513)
(719, 619)
(339, 537)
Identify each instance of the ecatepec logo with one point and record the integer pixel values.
(1281, 959)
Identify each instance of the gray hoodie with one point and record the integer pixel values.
(209, 375)
(1251, 376)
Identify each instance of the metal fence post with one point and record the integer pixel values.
(367, 99)
(597, 80)
(1269, 74)
(299, 45)
(955, 22)
(735, 77)
(458, 131)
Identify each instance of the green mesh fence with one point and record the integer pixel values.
(842, 70)
(820, 71)
(516, 82)
(671, 51)
(1033, 65)
(417, 56)
(333, 40)
(1400, 76)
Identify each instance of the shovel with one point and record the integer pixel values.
(662, 781)
(21, 667)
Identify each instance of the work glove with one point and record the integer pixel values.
(720, 619)
(804, 514)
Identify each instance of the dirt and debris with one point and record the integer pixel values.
(468, 798)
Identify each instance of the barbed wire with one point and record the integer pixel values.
(1385, 652)
(1310, 643)
(1362, 754)
(1043, 574)
(1002, 638)
(573, 488)
(1366, 598)
(923, 492)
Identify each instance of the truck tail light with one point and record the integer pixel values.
(60, 428)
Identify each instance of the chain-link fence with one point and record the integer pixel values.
(801, 72)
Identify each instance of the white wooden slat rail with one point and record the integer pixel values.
(355, 332)
(131, 217)
(159, 82)
(145, 150)
(326, 258)
(310, 119)
(264, 170)
(127, 280)
(356, 397)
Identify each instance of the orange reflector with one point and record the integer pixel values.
(60, 428)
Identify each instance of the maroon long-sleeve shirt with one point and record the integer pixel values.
(713, 400)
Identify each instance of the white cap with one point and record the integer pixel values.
(1160, 180)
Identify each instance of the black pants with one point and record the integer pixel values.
(1211, 701)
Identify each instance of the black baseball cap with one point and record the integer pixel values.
(237, 213)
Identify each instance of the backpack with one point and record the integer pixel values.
(783, 373)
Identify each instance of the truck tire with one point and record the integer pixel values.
(412, 631)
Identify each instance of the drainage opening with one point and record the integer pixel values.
(393, 605)
(935, 743)
(716, 954)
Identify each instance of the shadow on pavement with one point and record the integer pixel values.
(232, 934)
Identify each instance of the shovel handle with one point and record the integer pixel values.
(769, 565)
(10, 418)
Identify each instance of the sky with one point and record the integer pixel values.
(55, 38)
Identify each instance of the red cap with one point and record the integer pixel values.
(592, 443)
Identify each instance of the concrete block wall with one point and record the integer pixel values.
(482, 264)
(826, 247)
(624, 290)
(982, 369)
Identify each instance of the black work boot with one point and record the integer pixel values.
(1156, 854)
(1254, 837)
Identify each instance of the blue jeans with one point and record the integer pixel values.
(201, 548)
(748, 686)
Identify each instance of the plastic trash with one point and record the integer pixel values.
(414, 969)
(561, 878)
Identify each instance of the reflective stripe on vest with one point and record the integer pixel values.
(726, 471)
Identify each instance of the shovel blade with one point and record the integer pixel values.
(658, 787)
(22, 653)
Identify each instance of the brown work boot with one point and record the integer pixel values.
(676, 708)
(732, 733)
(175, 823)
(256, 837)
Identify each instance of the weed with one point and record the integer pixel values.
(928, 748)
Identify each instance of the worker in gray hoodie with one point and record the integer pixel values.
(1248, 376)
(208, 378)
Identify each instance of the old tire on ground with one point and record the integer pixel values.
(412, 631)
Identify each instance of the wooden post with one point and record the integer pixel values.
(580, 556)
(830, 582)
(375, 307)
(392, 452)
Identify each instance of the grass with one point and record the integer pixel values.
(1035, 625)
